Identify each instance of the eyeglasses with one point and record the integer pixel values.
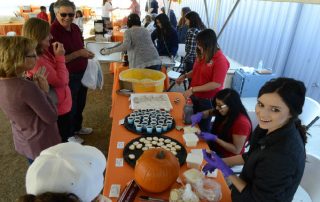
(71, 15)
(221, 106)
(31, 56)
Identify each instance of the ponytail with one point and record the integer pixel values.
(302, 130)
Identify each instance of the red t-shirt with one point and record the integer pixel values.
(43, 16)
(241, 126)
(72, 41)
(214, 71)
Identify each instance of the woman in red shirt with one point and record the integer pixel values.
(208, 74)
(231, 127)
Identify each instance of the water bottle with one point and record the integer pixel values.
(187, 112)
(125, 59)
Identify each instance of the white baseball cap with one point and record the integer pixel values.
(67, 168)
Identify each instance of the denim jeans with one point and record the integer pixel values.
(79, 97)
(199, 105)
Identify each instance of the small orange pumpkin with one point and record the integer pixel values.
(156, 170)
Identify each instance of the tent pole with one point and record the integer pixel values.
(207, 14)
(216, 15)
(168, 13)
(226, 22)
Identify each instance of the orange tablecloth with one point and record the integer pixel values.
(117, 36)
(122, 175)
(11, 27)
(116, 68)
(26, 16)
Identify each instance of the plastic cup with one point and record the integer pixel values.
(159, 129)
(130, 120)
(149, 129)
(139, 128)
(136, 122)
(161, 122)
(144, 125)
(165, 127)
(153, 123)
(169, 123)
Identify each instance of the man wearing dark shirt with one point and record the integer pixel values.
(69, 34)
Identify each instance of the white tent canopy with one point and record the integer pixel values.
(298, 1)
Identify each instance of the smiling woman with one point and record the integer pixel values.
(274, 165)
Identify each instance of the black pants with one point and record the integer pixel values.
(188, 66)
(65, 126)
(79, 97)
(199, 105)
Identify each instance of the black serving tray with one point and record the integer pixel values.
(132, 128)
(181, 154)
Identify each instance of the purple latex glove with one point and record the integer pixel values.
(208, 137)
(214, 161)
(196, 118)
(208, 168)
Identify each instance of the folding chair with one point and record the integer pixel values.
(310, 112)
(177, 70)
(308, 189)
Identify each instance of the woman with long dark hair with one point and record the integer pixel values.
(195, 25)
(231, 127)
(182, 28)
(208, 74)
(166, 36)
(274, 165)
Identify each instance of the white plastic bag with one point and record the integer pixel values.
(90, 78)
(188, 195)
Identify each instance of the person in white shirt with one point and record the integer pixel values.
(150, 26)
(78, 20)
(106, 12)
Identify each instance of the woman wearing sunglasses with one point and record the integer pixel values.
(231, 127)
(76, 56)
